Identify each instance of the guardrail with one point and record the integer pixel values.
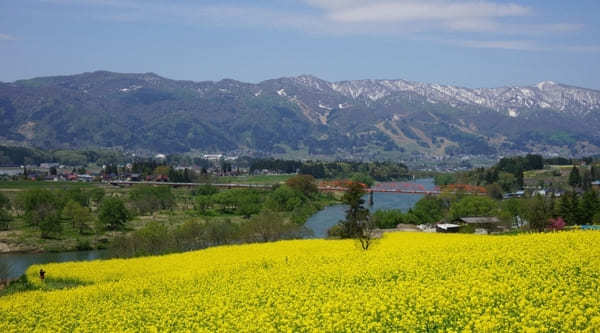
(265, 186)
(129, 183)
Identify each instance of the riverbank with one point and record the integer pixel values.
(7, 246)
(12, 266)
(27, 240)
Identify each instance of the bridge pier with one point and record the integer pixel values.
(371, 198)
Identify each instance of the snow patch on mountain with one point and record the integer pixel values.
(542, 85)
(544, 95)
(323, 106)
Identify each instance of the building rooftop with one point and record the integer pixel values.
(479, 220)
(447, 226)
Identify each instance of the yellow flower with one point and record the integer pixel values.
(407, 282)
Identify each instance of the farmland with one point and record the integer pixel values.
(406, 282)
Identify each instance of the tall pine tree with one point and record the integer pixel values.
(574, 177)
(588, 207)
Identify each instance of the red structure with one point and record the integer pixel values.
(389, 187)
(472, 189)
(338, 184)
(400, 187)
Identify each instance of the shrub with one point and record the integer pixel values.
(112, 214)
(148, 199)
(388, 219)
(557, 224)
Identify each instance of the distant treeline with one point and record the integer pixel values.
(16, 156)
(508, 172)
(380, 171)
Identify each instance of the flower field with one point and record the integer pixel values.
(406, 282)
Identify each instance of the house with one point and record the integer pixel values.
(483, 224)
(11, 171)
(48, 165)
(447, 228)
(479, 220)
(212, 157)
(426, 228)
(135, 177)
(85, 178)
(518, 194)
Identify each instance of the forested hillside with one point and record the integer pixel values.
(302, 116)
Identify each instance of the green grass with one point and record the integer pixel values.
(22, 284)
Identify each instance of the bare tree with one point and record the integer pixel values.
(367, 233)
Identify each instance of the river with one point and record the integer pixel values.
(17, 264)
(330, 216)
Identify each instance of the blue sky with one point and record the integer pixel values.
(470, 43)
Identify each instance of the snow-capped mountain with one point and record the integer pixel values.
(544, 95)
(366, 119)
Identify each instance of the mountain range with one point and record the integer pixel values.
(301, 116)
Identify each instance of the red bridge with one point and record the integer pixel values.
(387, 187)
(336, 186)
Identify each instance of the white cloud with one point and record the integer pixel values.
(520, 45)
(397, 11)
(437, 16)
(468, 21)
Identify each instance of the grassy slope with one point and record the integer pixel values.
(407, 282)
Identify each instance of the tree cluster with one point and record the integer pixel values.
(433, 209)
(157, 238)
(298, 197)
(381, 171)
(47, 210)
(146, 199)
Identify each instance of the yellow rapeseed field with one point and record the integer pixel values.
(407, 282)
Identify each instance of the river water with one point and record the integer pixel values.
(17, 264)
(330, 216)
